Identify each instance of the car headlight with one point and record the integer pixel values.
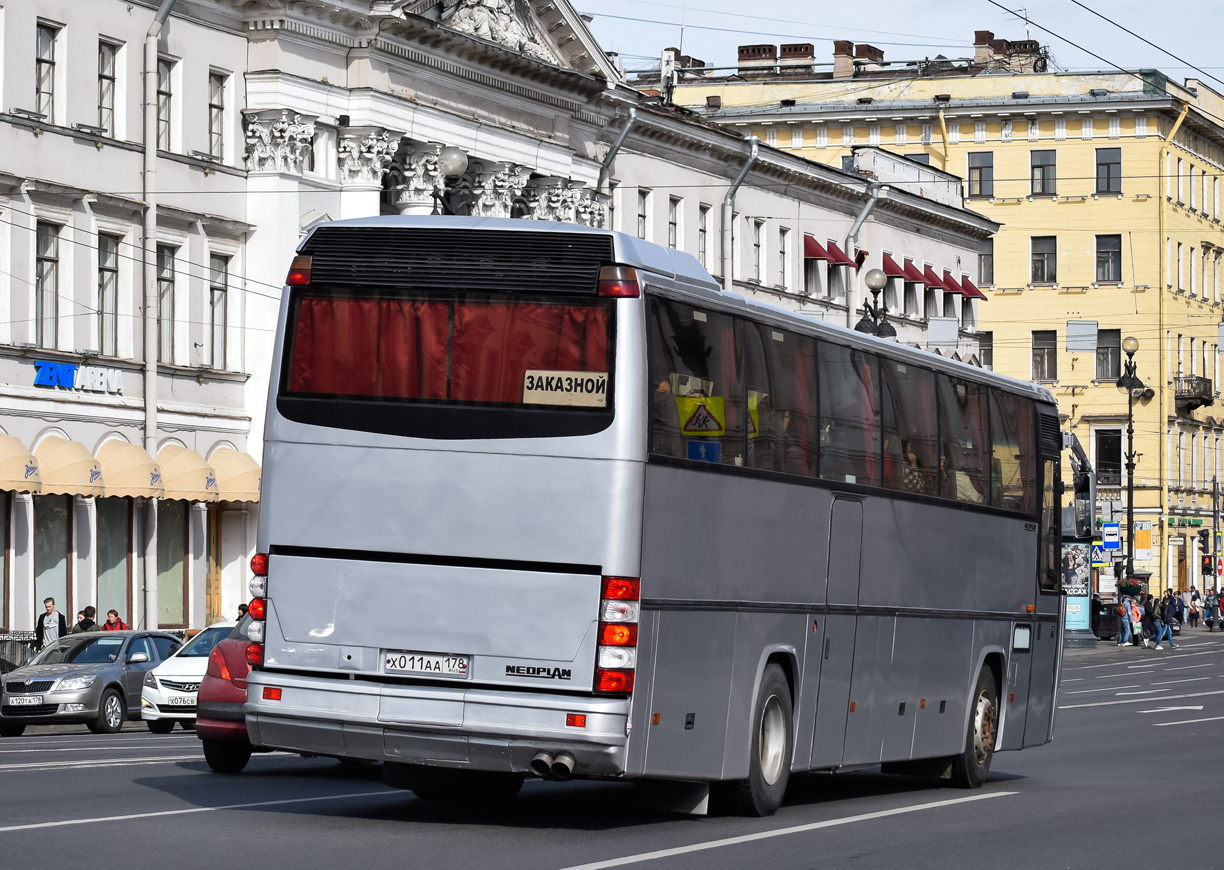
(72, 684)
(150, 680)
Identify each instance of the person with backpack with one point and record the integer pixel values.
(1163, 614)
(1124, 621)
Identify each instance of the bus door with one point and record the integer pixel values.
(837, 648)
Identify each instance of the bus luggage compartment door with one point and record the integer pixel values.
(836, 653)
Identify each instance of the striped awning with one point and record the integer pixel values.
(185, 474)
(18, 467)
(237, 475)
(129, 471)
(67, 468)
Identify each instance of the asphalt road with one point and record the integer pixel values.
(1136, 732)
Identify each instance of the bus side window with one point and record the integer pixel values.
(699, 353)
(849, 413)
(780, 375)
(1013, 468)
(965, 456)
(911, 443)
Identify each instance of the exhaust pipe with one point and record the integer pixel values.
(562, 766)
(542, 765)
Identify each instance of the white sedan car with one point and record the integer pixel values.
(169, 691)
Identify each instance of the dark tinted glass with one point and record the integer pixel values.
(780, 375)
(911, 448)
(1013, 472)
(849, 415)
(965, 451)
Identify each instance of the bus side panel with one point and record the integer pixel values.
(1046, 643)
(899, 712)
(832, 702)
(873, 643)
(692, 677)
(643, 688)
(809, 690)
(938, 729)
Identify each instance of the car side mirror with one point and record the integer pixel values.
(137, 658)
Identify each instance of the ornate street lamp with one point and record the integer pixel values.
(452, 163)
(875, 315)
(1134, 389)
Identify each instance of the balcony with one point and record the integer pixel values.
(1192, 391)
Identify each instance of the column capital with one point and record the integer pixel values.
(277, 140)
(366, 153)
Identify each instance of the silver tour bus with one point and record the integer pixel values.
(539, 499)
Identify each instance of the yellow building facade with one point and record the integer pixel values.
(1108, 189)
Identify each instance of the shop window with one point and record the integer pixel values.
(114, 518)
(52, 551)
(172, 516)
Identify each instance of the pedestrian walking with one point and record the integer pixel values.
(1136, 617)
(1163, 614)
(86, 622)
(1209, 609)
(1194, 613)
(51, 626)
(1124, 621)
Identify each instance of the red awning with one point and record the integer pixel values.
(891, 269)
(812, 249)
(838, 257)
(950, 283)
(912, 273)
(860, 257)
(968, 288)
(931, 279)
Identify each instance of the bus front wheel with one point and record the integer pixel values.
(970, 768)
(770, 755)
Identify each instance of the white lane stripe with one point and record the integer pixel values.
(1101, 689)
(1190, 680)
(1144, 692)
(1139, 700)
(1188, 721)
(77, 763)
(1192, 667)
(781, 832)
(189, 810)
(97, 748)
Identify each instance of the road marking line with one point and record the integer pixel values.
(1188, 721)
(1171, 709)
(77, 765)
(189, 810)
(82, 749)
(1191, 680)
(1191, 667)
(1144, 692)
(781, 832)
(1101, 689)
(1139, 700)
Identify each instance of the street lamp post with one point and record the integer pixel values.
(1132, 385)
(875, 315)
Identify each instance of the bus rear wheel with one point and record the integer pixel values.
(970, 768)
(770, 755)
(446, 784)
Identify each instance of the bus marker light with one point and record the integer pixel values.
(613, 681)
(1011, 697)
(255, 631)
(271, 694)
(618, 634)
(299, 271)
(259, 564)
(620, 611)
(572, 720)
(851, 706)
(655, 717)
(258, 587)
(618, 281)
(621, 588)
(619, 657)
(258, 608)
(254, 654)
(922, 704)
(1030, 607)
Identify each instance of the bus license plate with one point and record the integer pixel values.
(430, 664)
(25, 700)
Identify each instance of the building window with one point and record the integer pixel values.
(642, 202)
(1108, 258)
(46, 285)
(673, 221)
(986, 262)
(216, 115)
(1181, 268)
(783, 257)
(1045, 355)
(172, 516)
(44, 72)
(1109, 170)
(758, 230)
(52, 549)
(981, 173)
(1045, 175)
(108, 294)
(924, 159)
(106, 87)
(703, 235)
(164, 98)
(165, 303)
(1181, 182)
(218, 285)
(986, 350)
(1045, 259)
(114, 519)
(1108, 459)
(1109, 354)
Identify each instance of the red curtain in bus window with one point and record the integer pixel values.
(383, 348)
(496, 343)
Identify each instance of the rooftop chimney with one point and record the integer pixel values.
(843, 59)
(758, 61)
(870, 58)
(797, 58)
(982, 51)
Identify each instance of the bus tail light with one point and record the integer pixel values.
(618, 281)
(259, 564)
(616, 656)
(255, 654)
(258, 608)
(299, 271)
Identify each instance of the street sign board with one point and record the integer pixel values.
(1111, 535)
(1099, 558)
(1143, 540)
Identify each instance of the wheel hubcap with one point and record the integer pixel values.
(983, 728)
(112, 711)
(773, 740)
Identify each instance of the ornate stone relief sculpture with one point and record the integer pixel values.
(508, 22)
(496, 187)
(421, 179)
(365, 154)
(558, 199)
(277, 140)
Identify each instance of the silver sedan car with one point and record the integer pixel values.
(92, 677)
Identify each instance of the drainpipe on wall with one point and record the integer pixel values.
(149, 608)
(943, 128)
(605, 171)
(874, 189)
(728, 213)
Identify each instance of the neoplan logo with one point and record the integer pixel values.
(538, 672)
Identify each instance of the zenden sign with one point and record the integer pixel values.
(70, 376)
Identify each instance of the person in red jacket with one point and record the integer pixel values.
(113, 622)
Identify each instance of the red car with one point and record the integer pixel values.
(220, 720)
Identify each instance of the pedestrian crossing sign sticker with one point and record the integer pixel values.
(702, 416)
(1099, 559)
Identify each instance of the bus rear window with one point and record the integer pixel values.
(452, 349)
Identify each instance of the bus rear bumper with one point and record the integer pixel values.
(443, 726)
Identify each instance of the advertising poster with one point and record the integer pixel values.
(1143, 540)
(1077, 574)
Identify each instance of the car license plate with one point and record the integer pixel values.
(429, 664)
(183, 701)
(25, 700)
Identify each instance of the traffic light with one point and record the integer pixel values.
(1208, 566)
(1204, 536)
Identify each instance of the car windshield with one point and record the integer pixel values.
(201, 645)
(89, 650)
